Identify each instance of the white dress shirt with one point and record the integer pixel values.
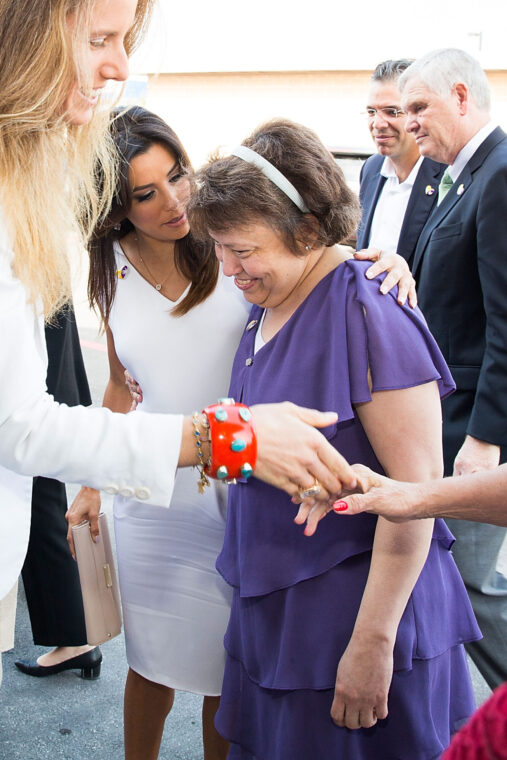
(391, 207)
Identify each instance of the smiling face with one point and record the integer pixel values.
(104, 57)
(159, 193)
(264, 269)
(434, 120)
(388, 132)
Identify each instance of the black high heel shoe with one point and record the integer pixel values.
(89, 663)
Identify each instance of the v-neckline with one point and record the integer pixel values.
(152, 287)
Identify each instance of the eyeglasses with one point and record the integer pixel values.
(389, 112)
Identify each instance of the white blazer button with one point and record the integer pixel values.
(127, 491)
(143, 493)
(111, 488)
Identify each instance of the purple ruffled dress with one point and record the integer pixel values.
(296, 598)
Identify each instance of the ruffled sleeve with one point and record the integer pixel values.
(390, 341)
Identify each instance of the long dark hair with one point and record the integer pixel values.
(134, 131)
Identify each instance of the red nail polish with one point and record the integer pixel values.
(340, 506)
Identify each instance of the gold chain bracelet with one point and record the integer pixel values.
(203, 479)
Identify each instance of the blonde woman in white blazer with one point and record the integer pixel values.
(51, 136)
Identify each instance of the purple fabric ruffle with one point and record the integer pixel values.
(426, 707)
(268, 634)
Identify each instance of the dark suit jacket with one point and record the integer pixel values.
(460, 265)
(419, 206)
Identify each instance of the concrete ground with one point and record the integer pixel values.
(63, 717)
(66, 718)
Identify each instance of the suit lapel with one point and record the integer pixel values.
(485, 149)
(371, 189)
(456, 192)
(440, 212)
(371, 186)
(422, 199)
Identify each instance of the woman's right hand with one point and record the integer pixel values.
(86, 506)
(292, 454)
(135, 390)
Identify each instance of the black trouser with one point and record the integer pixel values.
(50, 573)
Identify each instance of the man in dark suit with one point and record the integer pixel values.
(460, 264)
(398, 188)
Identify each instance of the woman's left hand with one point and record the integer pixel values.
(398, 273)
(362, 683)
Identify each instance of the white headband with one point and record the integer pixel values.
(272, 173)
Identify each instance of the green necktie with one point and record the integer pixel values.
(445, 185)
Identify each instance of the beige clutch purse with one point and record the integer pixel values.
(101, 598)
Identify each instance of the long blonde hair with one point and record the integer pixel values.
(48, 168)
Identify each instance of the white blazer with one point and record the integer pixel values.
(134, 454)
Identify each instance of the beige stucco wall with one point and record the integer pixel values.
(212, 109)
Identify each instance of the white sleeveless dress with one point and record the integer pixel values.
(175, 605)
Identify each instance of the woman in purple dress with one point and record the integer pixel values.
(347, 644)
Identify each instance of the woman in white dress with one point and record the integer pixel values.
(173, 321)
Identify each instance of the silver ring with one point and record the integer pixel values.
(314, 490)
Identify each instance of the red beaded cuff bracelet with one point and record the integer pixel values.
(233, 441)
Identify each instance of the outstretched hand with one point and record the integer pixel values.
(305, 455)
(392, 499)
